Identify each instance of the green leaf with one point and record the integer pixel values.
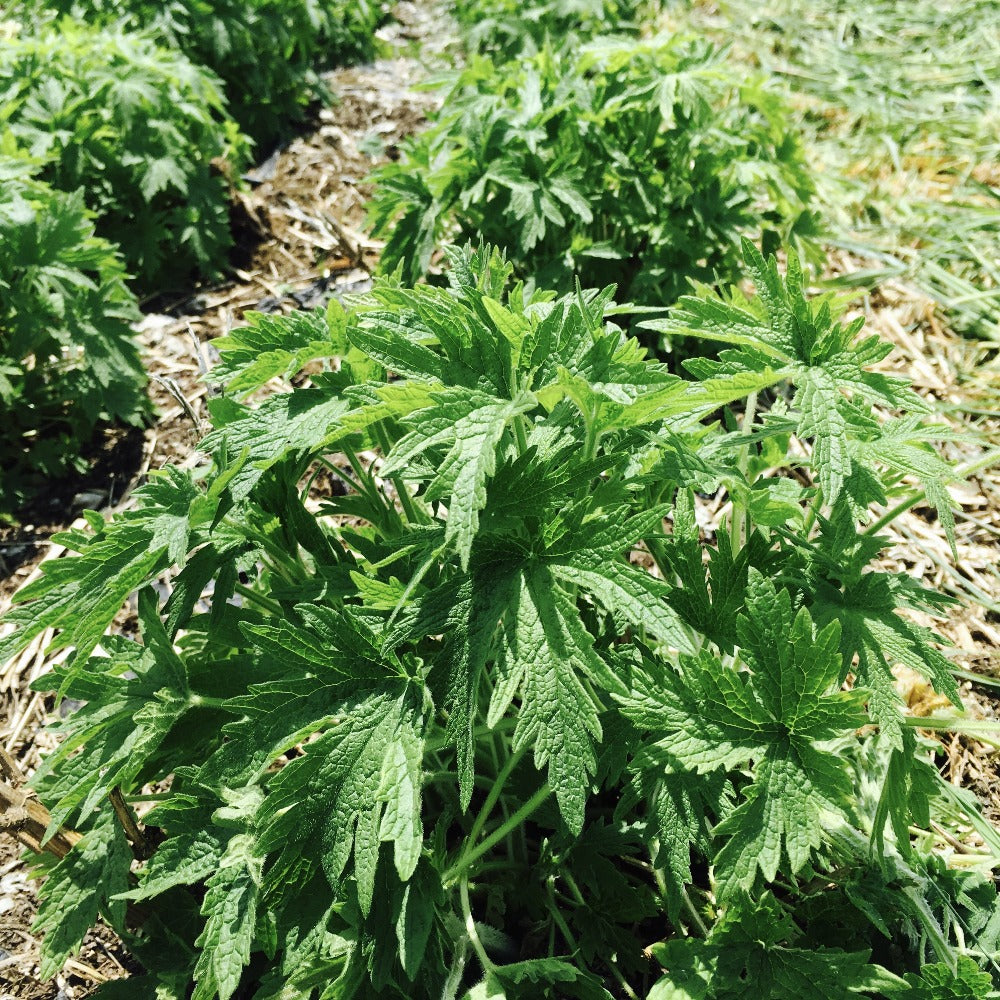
(83, 884)
(468, 612)
(941, 981)
(355, 786)
(192, 851)
(463, 429)
(781, 333)
(80, 595)
(629, 591)
(230, 905)
(873, 631)
(270, 347)
(707, 716)
(547, 652)
(755, 943)
(282, 425)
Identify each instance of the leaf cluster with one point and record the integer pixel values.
(139, 128)
(451, 696)
(267, 53)
(505, 29)
(624, 161)
(68, 360)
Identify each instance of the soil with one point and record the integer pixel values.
(302, 240)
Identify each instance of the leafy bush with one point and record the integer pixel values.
(67, 356)
(266, 52)
(475, 725)
(140, 129)
(507, 29)
(634, 163)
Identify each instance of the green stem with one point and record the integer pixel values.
(560, 920)
(981, 679)
(695, 915)
(629, 992)
(405, 500)
(984, 730)
(740, 523)
(503, 865)
(204, 701)
(590, 444)
(962, 472)
(365, 485)
(495, 792)
(259, 599)
(441, 742)
(471, 855)
(470, 927)
(574, 889)
(289, 569)
(520, 434)
(340, 474)
(812, 513)
(366, 490)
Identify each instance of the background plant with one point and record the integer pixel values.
(68, 360)
(506, 30)
(632, 162)
(476, 724)
(265, 52)
(140, 129)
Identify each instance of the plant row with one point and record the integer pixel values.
(140, 117)
(627, 159)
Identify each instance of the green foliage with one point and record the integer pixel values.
(637, 163)
(478, 725)
(67, 357)
(140, 129)
(941, 982)
(265, 52)
(506, 29)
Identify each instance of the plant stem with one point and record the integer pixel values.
(739, 526)
(519, 433)
(340, 474)
(812, 514)
(695, 915)
(559, 919)
(984, 730)
(495, 792)
(204, 701)
(358, 480)
(130, 824)
(962, 472)
(284, 563)
(470, 927)
(497, 835)
(254, 598)
(405, 500)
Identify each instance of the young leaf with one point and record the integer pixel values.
(231, 902)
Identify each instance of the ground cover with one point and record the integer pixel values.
(901, 107)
